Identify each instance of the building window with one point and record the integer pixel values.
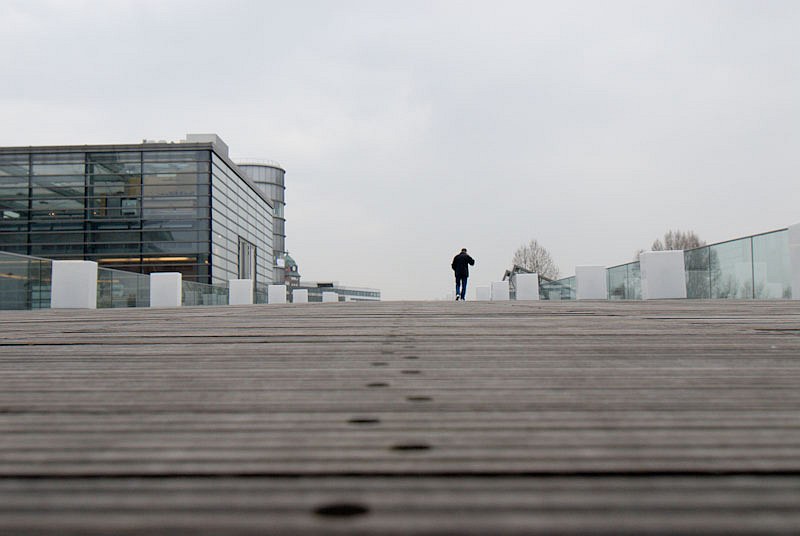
(247, 260)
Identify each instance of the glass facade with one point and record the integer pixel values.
(270, 179)
(241, 233)
(142, 208)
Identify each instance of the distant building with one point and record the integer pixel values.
(147, 207)
(292, 273)
(316, 288)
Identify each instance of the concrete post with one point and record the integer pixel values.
(240, 292)
(527, 286)
(794, 259)
(165, 289)
(74, 285)
(482, 293)
(276, 294)
(300, 295)
(499, 291)
(663, 275)
(330, 297)
(591, 283)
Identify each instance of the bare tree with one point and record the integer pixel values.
(535, 258)
(678, 240)
(673, 240)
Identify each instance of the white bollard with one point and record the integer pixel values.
(482, 293)
(663, 274)
(591, 283)
(499, 291)
(794, 259)
(276, 294)
(527, 286)
(74, 285)
(300, 295)
(240, 292)
(330, 297)
(165, 289)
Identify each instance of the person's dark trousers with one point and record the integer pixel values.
(461, 287)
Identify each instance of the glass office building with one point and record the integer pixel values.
(150, 207)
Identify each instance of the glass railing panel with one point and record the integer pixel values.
(260, 294)
(633, 281)
(624, 282)
(562, 289)
(24, 282)
(569, 288)
(771, 269)
(617, 278)
(698, 273)
(731, 267)
(117, 288)
(201, 294)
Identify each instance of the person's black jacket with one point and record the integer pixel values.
(461, 264)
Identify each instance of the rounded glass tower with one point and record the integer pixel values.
(269, 177)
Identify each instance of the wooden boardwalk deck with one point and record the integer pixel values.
(398, 418)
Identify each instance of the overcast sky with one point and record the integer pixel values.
(411, 129)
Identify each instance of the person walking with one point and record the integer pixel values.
(460, 265)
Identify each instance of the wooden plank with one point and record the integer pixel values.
(396, 506)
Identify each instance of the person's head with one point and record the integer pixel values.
(463, 250)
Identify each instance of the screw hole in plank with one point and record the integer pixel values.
(341, 510)
(411, 447)
(364, 420)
